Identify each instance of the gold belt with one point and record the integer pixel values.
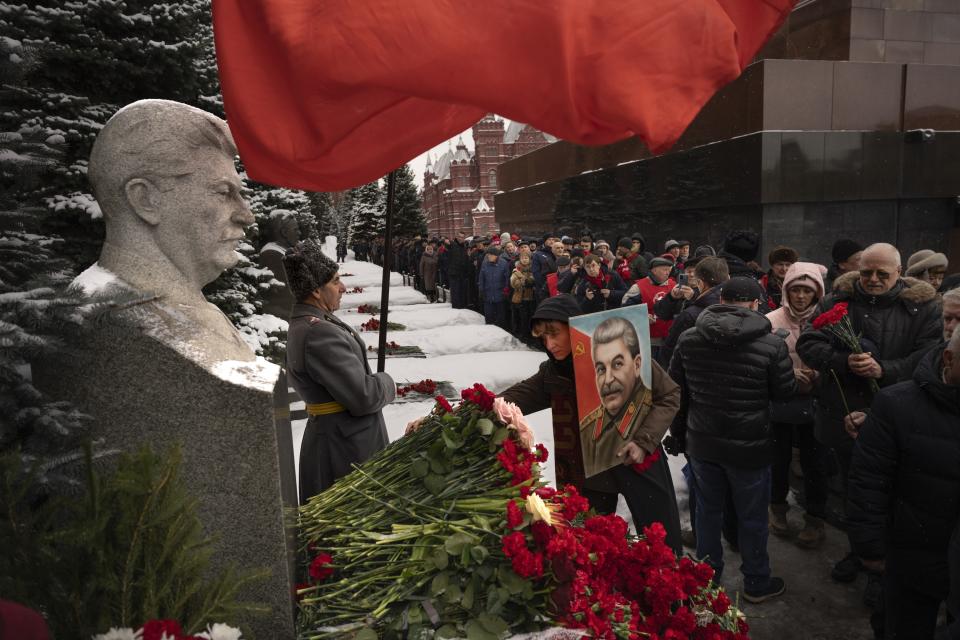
(325, 408)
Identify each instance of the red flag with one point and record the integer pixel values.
(328, 94)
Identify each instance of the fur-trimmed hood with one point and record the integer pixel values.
(914, 291)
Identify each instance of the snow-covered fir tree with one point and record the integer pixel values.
(408, 218)
(368, 212)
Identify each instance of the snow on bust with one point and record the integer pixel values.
(96, 280)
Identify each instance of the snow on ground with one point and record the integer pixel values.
(418, 316)
(460, 349)
(452, 340)
(399, 295)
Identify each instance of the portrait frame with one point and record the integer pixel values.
(602, 433)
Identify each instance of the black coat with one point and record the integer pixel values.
(458, 264)
(686, 319)
(729, 367)
(903, 493)
(897, 327)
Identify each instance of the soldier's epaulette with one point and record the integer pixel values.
(591, 418)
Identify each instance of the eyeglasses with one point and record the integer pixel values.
(867, 274)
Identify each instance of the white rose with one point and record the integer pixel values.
(538, 509)
(116, 633)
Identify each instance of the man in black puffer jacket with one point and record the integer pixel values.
(711, 273)
(729, 367)
(897, 320)
(903, 496)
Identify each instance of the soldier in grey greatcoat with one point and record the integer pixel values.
(327, 364)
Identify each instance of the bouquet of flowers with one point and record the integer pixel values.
(836, 322)
(449, 532)
(169, 630)
(368, 308)
(374, 325)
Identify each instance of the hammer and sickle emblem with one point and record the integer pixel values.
(579, 350)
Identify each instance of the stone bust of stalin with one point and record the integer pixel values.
(164, 176)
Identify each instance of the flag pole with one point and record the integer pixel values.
(385, 283)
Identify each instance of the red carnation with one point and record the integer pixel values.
(443, 404)
(831, 316)
(514, 515)
(320, 568)
(155, 629)
(648, 461)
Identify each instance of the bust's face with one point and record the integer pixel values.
(203, 218)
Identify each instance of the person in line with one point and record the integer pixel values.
(651, 290)
(522, 300)
(711, 272)
(929, 266)
(596, 290)
(792, 420)
(903, 497)
(846, 258)
(729, 368)
(649, 494)
(428, 271)
(779, 260)
(494, 285)
(327, 365)
(897, 320)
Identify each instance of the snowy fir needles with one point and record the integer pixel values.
(450, 533)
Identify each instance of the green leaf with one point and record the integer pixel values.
(440, 467)
(457, 542)
(494, 624)
(440, 559)
(452, 439)
(499, 436)
(485, 426)
(420, 468)
(476, 631)
(366, 634)
(467, 600)
(435, 484)
(452, 594)
(447, 631)
(439, 584)
(479, 554)
(510, 580)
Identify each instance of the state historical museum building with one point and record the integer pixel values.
(458, 187)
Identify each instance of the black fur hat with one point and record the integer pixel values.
(742, 244)
(308, 269)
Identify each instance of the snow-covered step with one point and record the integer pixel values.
(398, 296)
(465, 339)
(425, 316)
(366, 276)
(496, 370)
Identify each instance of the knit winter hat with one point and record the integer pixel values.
(561, 307)
(843, 249)
(782, 254)
(626, 243)
(741, 289)
(307, 268)
(670, 244)
(924, 260)
(742, 244)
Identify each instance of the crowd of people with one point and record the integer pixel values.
(765, 393)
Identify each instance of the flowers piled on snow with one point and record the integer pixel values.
(374, 325)
(449, 532)
(426, 387)
(356, 290)
(169, 630)
(368, 308)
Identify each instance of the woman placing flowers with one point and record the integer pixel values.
(644, 478)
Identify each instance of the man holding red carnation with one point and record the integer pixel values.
(897, 321)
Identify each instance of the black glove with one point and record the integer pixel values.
(674, 446)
